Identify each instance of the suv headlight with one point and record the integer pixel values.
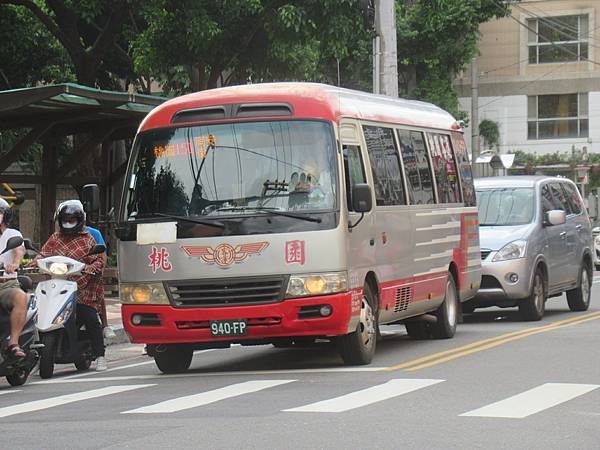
(143, 293)
(512, 250)
(317, 284)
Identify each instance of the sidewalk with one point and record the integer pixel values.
(113, 314)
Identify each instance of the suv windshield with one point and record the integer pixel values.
(505, 206)
(233, 169)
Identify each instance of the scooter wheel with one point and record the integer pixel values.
(83, 362)
(18, 377)
(47, 355)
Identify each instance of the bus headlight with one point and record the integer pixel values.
(143, 294)
(317, 284)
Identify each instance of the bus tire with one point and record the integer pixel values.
(174, 358)
(447, 313)
(358, 347)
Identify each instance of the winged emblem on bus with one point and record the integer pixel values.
(224, 255)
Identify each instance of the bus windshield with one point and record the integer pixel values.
(505, 206)
(233, 169)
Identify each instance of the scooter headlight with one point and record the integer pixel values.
(58, 268)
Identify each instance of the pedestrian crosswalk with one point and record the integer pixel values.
(518, 405)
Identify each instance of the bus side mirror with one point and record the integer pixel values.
(90, 196)
(362, 200)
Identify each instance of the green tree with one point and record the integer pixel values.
(29, 54)
(488, 129)
(88, 31)
(436, 39)
(235, 41)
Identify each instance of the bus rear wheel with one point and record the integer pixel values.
(174, 358)
(358, 348)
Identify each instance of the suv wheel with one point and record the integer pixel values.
(532, 308)
(579, 298)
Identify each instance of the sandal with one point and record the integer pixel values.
(16, 351)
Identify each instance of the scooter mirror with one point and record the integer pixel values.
(29, 246)
(97, 249)
(12, 243)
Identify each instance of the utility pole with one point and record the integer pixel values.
(385, 55)
(474, 110)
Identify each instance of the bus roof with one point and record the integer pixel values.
(307, 100)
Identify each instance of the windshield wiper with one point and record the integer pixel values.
(210, 223)
(273, 211)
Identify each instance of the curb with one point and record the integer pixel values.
(120, 338)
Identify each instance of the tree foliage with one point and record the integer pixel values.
(236, 41)
(488, 130)
(436, 39)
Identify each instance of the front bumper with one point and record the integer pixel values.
(496, 288)
(167, 325)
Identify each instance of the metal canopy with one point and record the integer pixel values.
(50, 113)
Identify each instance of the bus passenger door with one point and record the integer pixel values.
(361, 238)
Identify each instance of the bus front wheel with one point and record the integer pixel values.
(358, 348)
(174, 358)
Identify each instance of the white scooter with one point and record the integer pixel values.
(64, 341)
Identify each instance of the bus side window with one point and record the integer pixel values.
(354, 170)
(385, 166)
(444, 167)
(416, 166)
(464, 168)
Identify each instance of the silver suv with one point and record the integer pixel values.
(536, 242)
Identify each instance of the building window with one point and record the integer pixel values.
(557, 116)
(558, 39)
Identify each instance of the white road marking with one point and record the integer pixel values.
(392, 388)
(10, 392)
(533, 401)
(211, 374)
(68, 398)
(87, 374)
(204, 398)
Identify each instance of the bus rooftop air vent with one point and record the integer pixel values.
(263, 109)
(200, 114)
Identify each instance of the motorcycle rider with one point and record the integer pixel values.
(107, 331)
(12, 298)
(73, 241)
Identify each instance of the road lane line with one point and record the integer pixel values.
(91, 372)
(498, 343)
(38, 405)
(10, 392)
(532, 401)
(211, 374)
(204, 398)
(503, 338)
(385, 391)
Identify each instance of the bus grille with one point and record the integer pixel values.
(226, 291)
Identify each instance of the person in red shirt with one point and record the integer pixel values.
(73, 241)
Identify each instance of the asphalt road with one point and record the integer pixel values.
(500, 383)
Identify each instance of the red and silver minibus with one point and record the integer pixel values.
(282, 213)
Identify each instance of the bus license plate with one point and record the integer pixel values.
(228, 327)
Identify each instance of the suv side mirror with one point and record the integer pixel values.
(555, 217)
(90, 196)
(362, 200)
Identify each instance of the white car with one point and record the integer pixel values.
(596, 236)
